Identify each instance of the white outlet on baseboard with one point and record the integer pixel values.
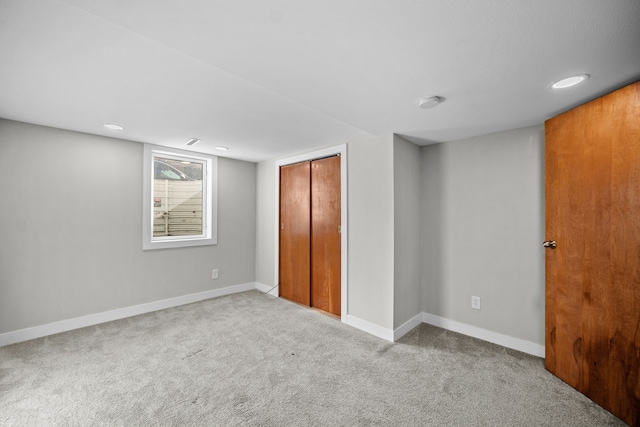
(475, 303)
(214, 273)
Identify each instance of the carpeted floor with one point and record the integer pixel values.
(250, 359)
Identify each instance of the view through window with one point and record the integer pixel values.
(177, 197)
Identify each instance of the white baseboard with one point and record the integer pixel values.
(274, 291)
(485, 335)
(407, 326)
(363, 325)
(373, 329)
(121, 313)
(451, 325)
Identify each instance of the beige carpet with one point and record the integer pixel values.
(250, 359)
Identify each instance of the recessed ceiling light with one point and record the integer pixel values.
(430, 102)
(193, 141)
(570, 81)
(221, 148)
(113, 127)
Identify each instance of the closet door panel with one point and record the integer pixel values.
(325, 235)
(295, 232)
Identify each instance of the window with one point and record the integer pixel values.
(180, 192)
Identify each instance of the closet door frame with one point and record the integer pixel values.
(340, 150)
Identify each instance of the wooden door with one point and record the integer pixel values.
(592, 340)
(295, 232)
(325, 235)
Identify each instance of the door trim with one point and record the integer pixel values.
(340, 150)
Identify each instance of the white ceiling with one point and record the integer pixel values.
(274, 77)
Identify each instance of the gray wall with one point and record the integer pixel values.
(483, 227)
(71, 218)
(371, 230)
(407, 193)
(265, 223)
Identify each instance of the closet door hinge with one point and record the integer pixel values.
(339, 229)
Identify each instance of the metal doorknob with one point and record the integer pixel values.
(549, 244)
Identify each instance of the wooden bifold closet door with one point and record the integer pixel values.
(310, 234)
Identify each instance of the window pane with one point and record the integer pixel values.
(177, 197)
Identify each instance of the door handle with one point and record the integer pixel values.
(549, 244)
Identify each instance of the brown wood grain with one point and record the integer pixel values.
(295, 233)
(592, 158)
(325, 235)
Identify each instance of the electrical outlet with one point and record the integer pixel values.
(475, 303)
(214, 273)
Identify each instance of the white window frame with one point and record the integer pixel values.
(209, 202)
